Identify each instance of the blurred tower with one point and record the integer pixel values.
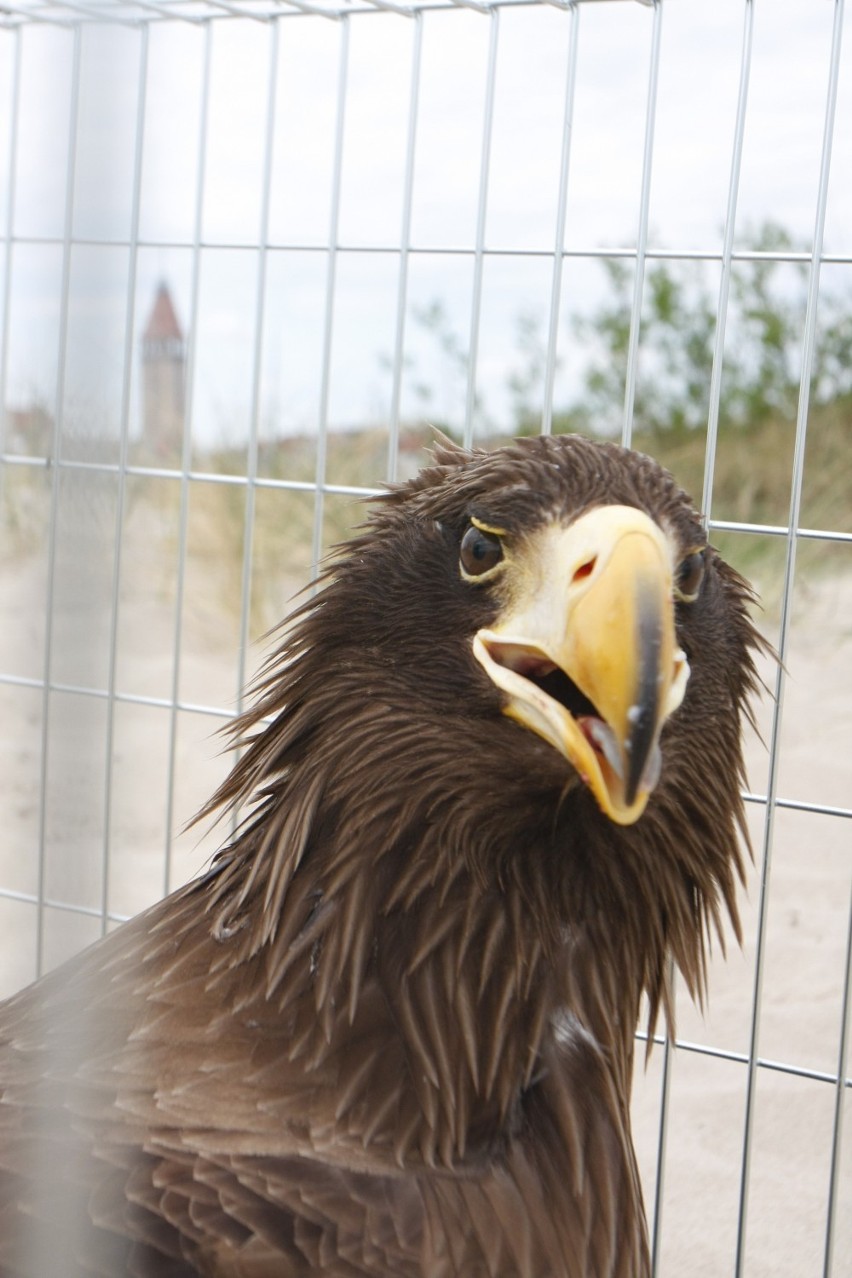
(163, 378)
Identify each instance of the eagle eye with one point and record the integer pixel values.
(480, 551)
(689, 576)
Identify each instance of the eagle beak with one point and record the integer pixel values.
(586, 652)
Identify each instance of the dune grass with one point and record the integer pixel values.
(752, 485)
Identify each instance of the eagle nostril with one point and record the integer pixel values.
(585, 570)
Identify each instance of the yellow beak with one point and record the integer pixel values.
(586, 652)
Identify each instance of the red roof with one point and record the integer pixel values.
(163, 322)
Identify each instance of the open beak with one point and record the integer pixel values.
(586, 652)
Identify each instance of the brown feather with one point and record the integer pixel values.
(390, 1032)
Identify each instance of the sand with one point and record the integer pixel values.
(806, 901)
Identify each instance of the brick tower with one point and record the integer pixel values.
(163, 379)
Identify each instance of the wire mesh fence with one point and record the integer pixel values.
(250, 251)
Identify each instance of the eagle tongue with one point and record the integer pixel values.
(602, 739)
(653, 767)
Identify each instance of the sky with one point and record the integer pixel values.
(326, 328)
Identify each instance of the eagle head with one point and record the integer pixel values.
(531, 663)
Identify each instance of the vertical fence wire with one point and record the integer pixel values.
(330, 293)
(626, 437)
(808, 344)
(15, 94)
(481, 218)
(404, 247)
(642, 231)
(186, 454)
(727, 264)
(124, 441)
(55, 492)
(561, 214)
(666, 1073)
(839, 1106)
(257, 366)
(710, 459)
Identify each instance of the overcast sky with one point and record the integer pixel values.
(701, 44)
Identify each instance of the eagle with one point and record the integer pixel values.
(488, 796)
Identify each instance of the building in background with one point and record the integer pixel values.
(163, 379)
(27, 430)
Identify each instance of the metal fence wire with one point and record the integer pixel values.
(249, 249)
